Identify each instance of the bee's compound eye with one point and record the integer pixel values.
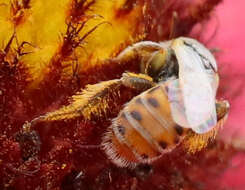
(156, 62)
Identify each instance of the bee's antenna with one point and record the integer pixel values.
(215, 50)
(174, 25)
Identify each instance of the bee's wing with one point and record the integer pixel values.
(195, 101)
(176, 101)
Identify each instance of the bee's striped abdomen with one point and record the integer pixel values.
(144, 127)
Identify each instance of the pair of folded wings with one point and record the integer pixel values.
(192, 95)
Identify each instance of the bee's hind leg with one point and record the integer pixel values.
(97, 97)
(94, 99)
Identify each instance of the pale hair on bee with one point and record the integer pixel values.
(178, 81)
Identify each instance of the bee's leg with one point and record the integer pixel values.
(136, 56)
(140, 82)
(94, 99)
(195, 142)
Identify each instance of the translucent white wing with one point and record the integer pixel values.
(202, 50)
(176, 102)
(194, 101)
(178, 108)
(208, 60)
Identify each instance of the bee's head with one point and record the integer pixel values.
(162, 65)
(157, 60)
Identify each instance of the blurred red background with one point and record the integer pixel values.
(229, 38)
(225, 32)
(231, 42)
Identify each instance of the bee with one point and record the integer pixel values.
(178, 81)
